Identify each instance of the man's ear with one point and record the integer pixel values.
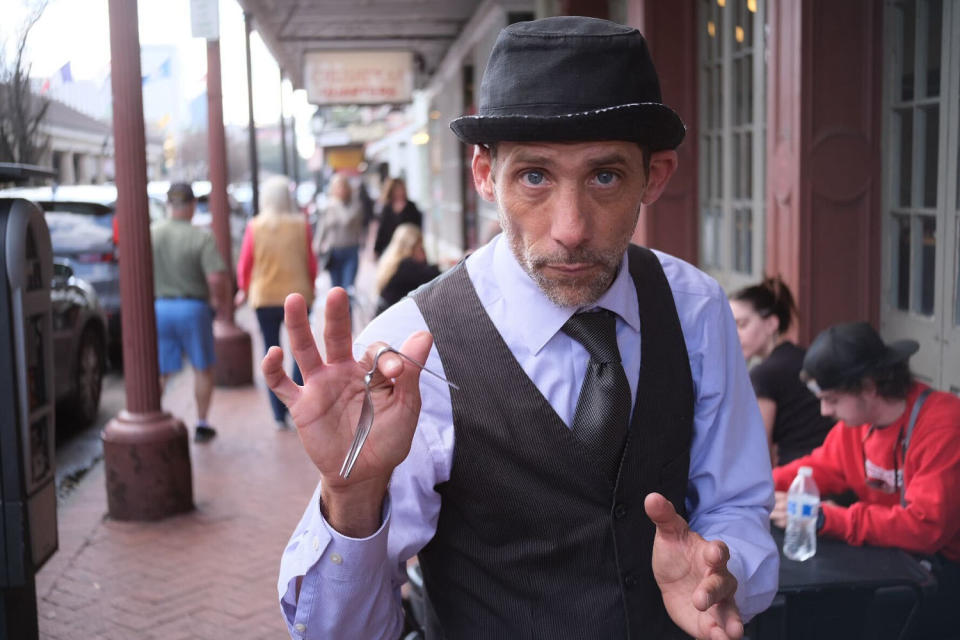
(483, 173)
(662, 166)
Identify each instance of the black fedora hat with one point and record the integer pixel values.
(571, 78)
(845, 353)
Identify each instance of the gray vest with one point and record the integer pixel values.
(533, 540)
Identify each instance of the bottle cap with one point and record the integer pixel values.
(805, 471)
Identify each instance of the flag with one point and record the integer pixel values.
(162, 71)
(61, 76)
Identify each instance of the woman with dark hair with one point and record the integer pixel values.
(791, 413)
(397, 210)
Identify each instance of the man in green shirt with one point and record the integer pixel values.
(189, 280)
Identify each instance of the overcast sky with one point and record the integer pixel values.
(77, 31)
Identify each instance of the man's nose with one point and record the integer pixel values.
(569, 226)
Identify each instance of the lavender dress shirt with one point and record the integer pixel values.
(351, 587)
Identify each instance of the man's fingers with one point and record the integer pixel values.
(664, 516)
(714, 589)
(734, 626)
(302, 344)
(276, 378)
(716, 554)
(337, 336)
(416, 347)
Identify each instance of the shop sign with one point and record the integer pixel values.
(358, 77)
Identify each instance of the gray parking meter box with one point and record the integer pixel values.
(28, 535)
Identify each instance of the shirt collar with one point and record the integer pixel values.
(542, 319)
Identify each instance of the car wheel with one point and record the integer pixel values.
(91, 358)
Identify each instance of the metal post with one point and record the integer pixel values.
(283, 134)
(145, 450)
(294, 156)
(233, 365)
(254, 168)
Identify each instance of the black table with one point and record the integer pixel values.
(843, 592)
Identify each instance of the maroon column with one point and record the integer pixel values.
(824, 151)
(145, 450)
(234, 352)
(671, 224)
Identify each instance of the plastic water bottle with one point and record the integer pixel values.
(803, 505)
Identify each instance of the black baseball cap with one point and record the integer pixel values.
(845, 353)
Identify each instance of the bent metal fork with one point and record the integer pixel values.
(365, 423)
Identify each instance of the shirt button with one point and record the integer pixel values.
(630, 582)
(336, 558)
(316, 543)
(300, 627)
(619, 511)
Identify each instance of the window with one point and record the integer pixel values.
(922, 169)
(732, 133)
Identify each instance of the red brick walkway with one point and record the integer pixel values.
(208, 574)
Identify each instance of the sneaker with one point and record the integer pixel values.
(204, 433)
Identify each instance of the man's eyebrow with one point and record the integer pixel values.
(527, 157)
(609, 159)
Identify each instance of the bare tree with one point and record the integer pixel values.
(21, 110)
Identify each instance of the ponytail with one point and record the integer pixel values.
(770, 297)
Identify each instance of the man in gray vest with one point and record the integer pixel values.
(600, 469)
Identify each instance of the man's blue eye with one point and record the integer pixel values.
(606, 177)
(533, 177)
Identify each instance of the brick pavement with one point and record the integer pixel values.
(208, 574)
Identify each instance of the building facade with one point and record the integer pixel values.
(822, 146)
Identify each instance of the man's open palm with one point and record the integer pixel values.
(692, 575)
(327, 407)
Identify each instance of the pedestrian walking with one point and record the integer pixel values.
(190, 282)
(276, 259)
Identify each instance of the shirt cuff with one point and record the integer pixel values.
(344, 558)
(321, 558)
(834, 521)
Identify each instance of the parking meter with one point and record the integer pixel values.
(28, 535)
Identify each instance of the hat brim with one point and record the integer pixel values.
(651, 124)
(900, 350)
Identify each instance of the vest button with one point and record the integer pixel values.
(629, 582)
(619, 510)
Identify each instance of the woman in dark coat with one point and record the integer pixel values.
(396, 210)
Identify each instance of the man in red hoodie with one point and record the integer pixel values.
(896, 445)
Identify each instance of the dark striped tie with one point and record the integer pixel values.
(603, 408)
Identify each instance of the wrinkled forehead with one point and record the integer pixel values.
(591, 153)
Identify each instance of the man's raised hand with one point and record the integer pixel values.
(327, 407)
(692, 575)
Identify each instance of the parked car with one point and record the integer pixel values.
(81, 222)
(78, 322)
(79, 346)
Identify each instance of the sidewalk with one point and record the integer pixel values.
(207, 574)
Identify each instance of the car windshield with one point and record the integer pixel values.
(99, 214)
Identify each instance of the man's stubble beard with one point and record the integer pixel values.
(571, 292)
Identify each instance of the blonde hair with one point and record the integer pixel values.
(276, 196)
(340, 180)
(405, 239)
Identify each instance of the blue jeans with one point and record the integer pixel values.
(342, 266)
(270, 319)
